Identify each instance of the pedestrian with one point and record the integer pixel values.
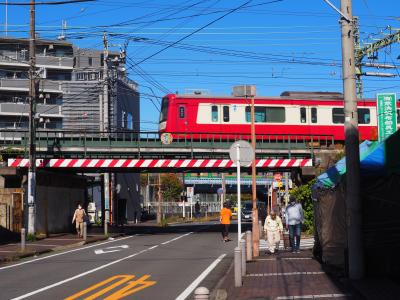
(197, 209)
(79, 218)
(225, 220)
(294, 219)
(273, 228)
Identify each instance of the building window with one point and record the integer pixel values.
(225, 112)
(90, 61)
(364, 116)
(181, 112)
(303, 115)
(129, 122)
(337, 115)
(214, 113)
(314, 118)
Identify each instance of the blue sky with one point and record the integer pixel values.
(284, 45)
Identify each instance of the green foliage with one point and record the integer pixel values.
(303, 195)
(30, 237)
(171, 187)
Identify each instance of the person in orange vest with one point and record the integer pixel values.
(225, 220)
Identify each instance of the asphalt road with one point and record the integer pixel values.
(141, 266)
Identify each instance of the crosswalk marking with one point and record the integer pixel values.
(304, 244)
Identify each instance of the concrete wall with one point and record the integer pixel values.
(57, 196)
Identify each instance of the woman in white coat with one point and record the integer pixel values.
(273, 228)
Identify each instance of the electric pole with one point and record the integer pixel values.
(32, 120)
(159, 213)
(256, 236)
(353, 201)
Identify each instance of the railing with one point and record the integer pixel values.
(137, 140)
(176, 208)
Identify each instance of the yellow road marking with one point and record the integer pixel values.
(131, 287)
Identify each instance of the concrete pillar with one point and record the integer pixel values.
(243, 250)
(238, 267)
(23, 236)
(249, 243)
(201, 293)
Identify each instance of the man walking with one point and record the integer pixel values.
(225, 220)
(294, 219)
(78, 218)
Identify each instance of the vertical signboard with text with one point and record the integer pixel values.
(386, 114)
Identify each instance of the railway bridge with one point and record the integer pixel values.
(144, 151)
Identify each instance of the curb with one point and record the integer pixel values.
(59, 248)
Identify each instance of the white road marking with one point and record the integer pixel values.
(177, 238)
(111, 249)
(312, 296)
(199, 279)
(286, 258)
(283, 274)
(45, 288)
(62, 253)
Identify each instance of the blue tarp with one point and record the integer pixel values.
(372, 162)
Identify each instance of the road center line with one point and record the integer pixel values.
(65, 252)
(177, 238)
(86, 273)
(199, 279)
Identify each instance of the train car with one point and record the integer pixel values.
(292, 114)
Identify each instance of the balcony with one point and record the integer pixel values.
(22, 109)
(49, 62)
(22, 85)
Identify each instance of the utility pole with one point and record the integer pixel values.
(106, 130)
(256, 236)
(32, 120)
(223, 189)
(353, 201)
(159, 200)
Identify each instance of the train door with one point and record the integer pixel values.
(182, 118)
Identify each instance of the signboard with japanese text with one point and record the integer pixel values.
(386, 114)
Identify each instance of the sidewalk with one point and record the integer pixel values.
(12, 251)
(284, 276)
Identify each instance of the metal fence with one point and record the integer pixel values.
(176, 208)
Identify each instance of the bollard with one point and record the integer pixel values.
(84, 231)
(23, 236)
(249, 244)
(201, 293)
(243, 250)
(238, 267)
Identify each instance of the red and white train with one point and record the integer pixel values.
(292, 113)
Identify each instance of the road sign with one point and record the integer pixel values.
(278, 177)
(387, 114)
(166, 138)
(190, 192)
(246, 153)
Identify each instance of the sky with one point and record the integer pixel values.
(213, 45)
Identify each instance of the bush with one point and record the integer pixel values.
(303, 195)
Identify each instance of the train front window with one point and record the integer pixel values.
(164, 110)
(338, 115)
(214, 113)
(314, 118)
(364, 116)
(303, 115)
(225, 111)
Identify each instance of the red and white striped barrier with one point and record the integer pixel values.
(154, 163)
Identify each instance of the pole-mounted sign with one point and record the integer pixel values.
(386, 114)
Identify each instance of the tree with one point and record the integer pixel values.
(171, 187)
(303, 195)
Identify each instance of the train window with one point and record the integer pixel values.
(225, 112)
(303, 115)
(164, 110)
(275, 114)
(314, 118)
(260, 114)
(338, 115)
(214, 113)
(364, 116)
(181, 112)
